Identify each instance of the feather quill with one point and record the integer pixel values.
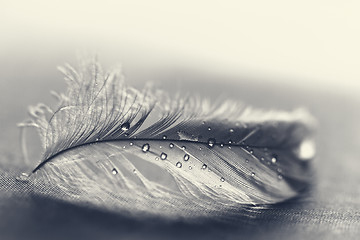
(148, 153)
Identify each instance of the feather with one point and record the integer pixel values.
(148, 153)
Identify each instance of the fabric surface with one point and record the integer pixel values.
(330, 209)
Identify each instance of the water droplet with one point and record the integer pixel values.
(211, 142)
(134, 171)
(157, 158)
(221, 144)
(186, 157)
(204, 166)
(231, 130)
(247, 160)
(203, 122)
(171, 145)
(160, 147)
(230, 141)
(163, 156)
(125, 126)
(251, 151)
(279, 170)
(273, 159)
(145, 147)
(124, 146)
(24, 177)
(229, 147)
(222, 179)
(200, 148)
(190, 167)
(262, 159)
(179, 164)
(164, 137)
(209, 128)
(253, 174)
(114, 171)
(183, 147)
(97, 139)
(126, 134)
(280, 177)
(131, 143)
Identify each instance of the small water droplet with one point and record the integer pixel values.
(97, 139)
(134, 171)
(183, 147)
(200, 148)
(273, 159)
(179, 164)
(125, 126)
(251, 151)
(211, 142)
(171, 145)
(203, 122)
(24, 177)
(280, 177)
(124, 146)
(186, 157)
(114, 171)
(209, 128)
(230, 141)
(222, 179)
(164, 137)
(190, 167)
(163, 156)
(253, 174)
(157, 158)
(229, 147)
(145, 147)
(247, 160)
(126, 134)
(204, 166)
(262, 159)
(131, 143)
(160, 147)
(279, 170)
(221, 144)
(231, 130)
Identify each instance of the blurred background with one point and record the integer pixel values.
(270, 54)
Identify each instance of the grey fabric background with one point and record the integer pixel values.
(330, 209)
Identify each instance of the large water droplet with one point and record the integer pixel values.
(114, 171)
(125, 126)
(145, 147)
(186, 157)
(222, 179)
(204, 166)
(273, 159)
(24, 177)
(171, 145)
(179, 164)
(163, 156)
(211, 142)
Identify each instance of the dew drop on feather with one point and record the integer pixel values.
(274, 159)
(186, 157)
(179, 164)
(221, 144)
(163, 156)
(183, 147)
(231, 130)
(125, 126)
(114, 171)
(253, 174)
(211, 142)
(190, 167)
(204, 166)
(24, 177)
(164, 137)
(145, 147)
(209, 128)
(171, 145)
(222, 179)
(131, 143)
